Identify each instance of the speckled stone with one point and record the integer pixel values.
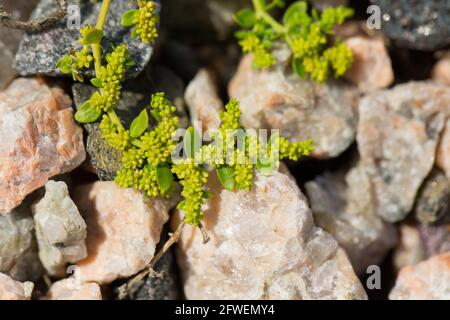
(398, 133)
(277, 98)
(39, 52)
(427, 280)
(432, 198)
(263, 248)
(343, 204)
(419, 24)
(135, 96)
(162, 285)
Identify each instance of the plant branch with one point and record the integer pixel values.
(261, 12)
(174, 238)
(96, 47)
(37, 24)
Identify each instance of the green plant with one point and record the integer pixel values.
(147, 162)
(307, 36)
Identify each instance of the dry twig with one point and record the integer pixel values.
(37, 24)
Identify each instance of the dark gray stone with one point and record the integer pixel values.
(418, 24)
(135, 96)
(432, 198)
(161, 286)
(39, 52)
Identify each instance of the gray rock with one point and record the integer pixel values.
(135, 96)
(343, 205)
(18, 254)
(432, 198)
(39, 52)
(436, 237)
(398, 132)
(263, 248)
(419, 24)
(162, 285)
(60, 229)
(10, 39)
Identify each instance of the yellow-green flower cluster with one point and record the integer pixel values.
(262, 57)
(158, 143)
(141, 156)
(306, 34)
(77, 60)
(294, 150)
(146, 21)
(116, 136)
(110, 77)
(192, 177)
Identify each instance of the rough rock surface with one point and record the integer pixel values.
(39, 52)
(60, 229)
(410, 249)
(123, 230)
(9, 39)
(419, 24)
(432, 198)
(441, 70)
(135, 96)
(372, 67)
(161, 286)
(443, 150)
(14, 290)
(398, 132)
(428, 280)
(261, 248)
(203, 102)
(436, 237)
(71, 289)
(343, 205)
(275, 99)
(38, 139)
(18, 252)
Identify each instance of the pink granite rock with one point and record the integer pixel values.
(71, 289)
(263, 248)
(410, 249)
(203, 102)
(372, 67)
(38, 139)
(398, 133)
(428, 280)
(278, 99)
(14, 290)
(441, 71)
(123, 230)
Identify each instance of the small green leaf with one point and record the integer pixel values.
(246, 18)
(226, 177)
(85, 114)
(94, 36)
(296, 14)
(128, 18)
(207, 195)
(181, 205)
(155, 115)
(164, 178)
(65, 64)
(297, 66)
(96, 82)
(191, 142)
(139, 125)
